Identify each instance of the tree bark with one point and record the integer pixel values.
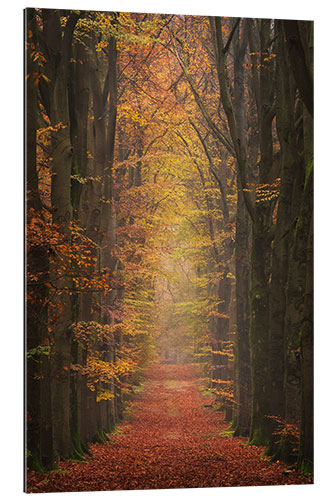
(38, 430)
(305, 458)
(280, 258)
(59, 49)
(242, 410)
(242, 346)
(299, 49)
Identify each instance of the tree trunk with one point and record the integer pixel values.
(79, 106)
(242, 347)
(242, 264)
(59, 45)
(259, 328)
(261, 254)
(38, 428)
(280, 258)
(299, 46)
(305, 458)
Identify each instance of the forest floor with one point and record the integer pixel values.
(170, 438)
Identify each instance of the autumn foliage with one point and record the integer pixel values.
(168, 220)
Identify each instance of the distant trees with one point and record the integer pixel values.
(169, 158)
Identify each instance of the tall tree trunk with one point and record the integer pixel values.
(61, 352)
(108, 219)
(36, 265)
(305, 458)
(242, 346)
(302, 208)
(259, 327)
(280, 258)
(79, 94)
(295, 287)
(242, 412)
(59, 49)
(261, 254)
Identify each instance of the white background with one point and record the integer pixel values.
(11, 237)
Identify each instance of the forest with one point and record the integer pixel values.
(169, 250)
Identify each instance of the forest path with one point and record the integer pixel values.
(168, 440)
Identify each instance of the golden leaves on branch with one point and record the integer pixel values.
(268, 192)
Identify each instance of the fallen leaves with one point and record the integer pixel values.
(173, 440)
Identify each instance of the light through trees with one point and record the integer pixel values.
(169, 190)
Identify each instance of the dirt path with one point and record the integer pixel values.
(170, 440)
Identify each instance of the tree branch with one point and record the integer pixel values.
(211, 168)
